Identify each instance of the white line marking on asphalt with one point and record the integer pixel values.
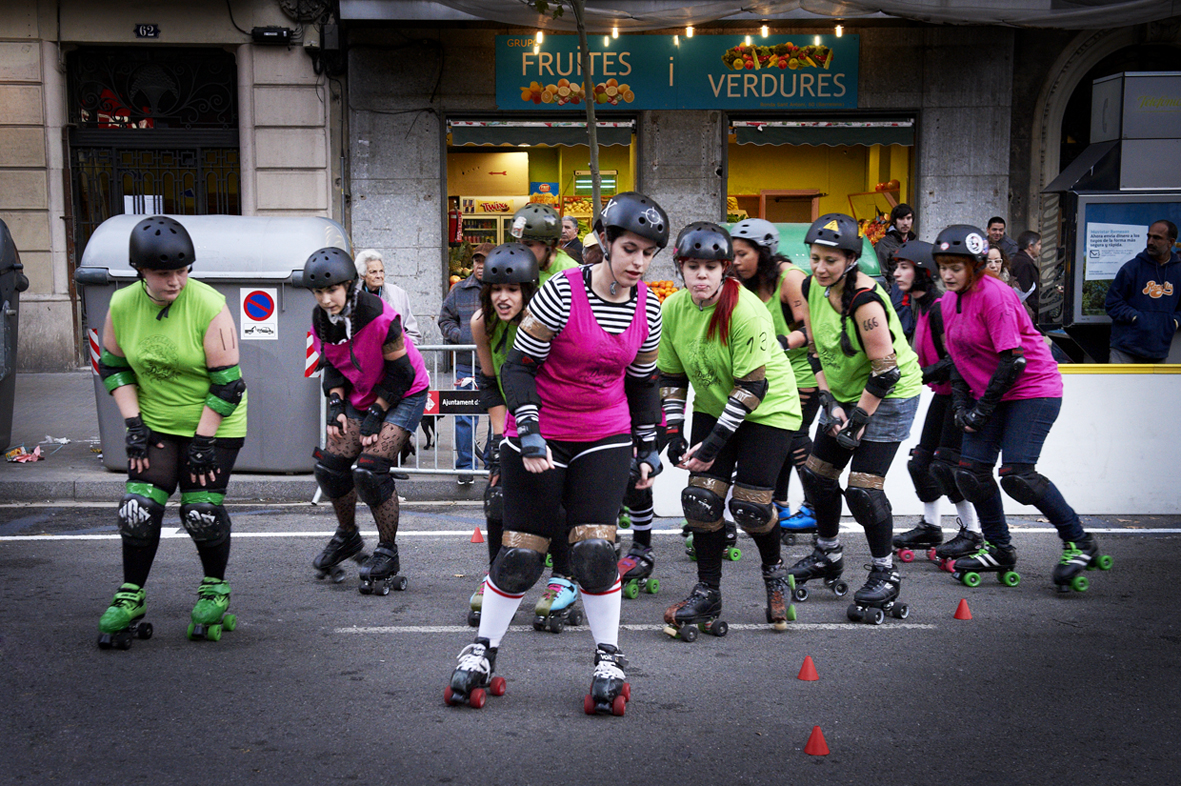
(736, 626)
(454, 533)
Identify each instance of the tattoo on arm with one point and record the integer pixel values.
(870, 324)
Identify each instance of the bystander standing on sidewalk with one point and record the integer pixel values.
(455, 323)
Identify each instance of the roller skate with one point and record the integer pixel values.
(624, 521)
(702, 608)
(609, 692)
(824, 564)
(987, 559)
(477, 603)
(209, 615)
(780, 584)
(924, 537)
(472, 679)
(1082, 555)
(792, 525)
(635, 571)
(555, 608)
(122, 621)
(380, 572)
(345, 544)
(964, 544)
(878, 597)
(730, 551)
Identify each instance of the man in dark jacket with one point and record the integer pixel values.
(901, 224)
(1144, 300)
(455, 324)
(1023, 267)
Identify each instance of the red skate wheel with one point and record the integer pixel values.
(619, 705)
(448, 696)
(906, 555)
(497, 686)
(626, 692)
(588, 705)
(476, 699)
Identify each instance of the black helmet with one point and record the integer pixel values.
(160, 243)
(703, 240)
(837, 230)
(634, 212)
(963, 240)
(536, 222)
(918, 253)
(327, 267)
(758, 231)
(511, 263)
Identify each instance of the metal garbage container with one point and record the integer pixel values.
(12, 282)
(255, 263)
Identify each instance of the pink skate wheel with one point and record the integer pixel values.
(906, 555)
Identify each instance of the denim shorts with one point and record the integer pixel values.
(890, 423)
(406, 414)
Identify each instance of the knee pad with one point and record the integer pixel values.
(1024, 483)
(752, 508)
(372, 476)
(205, 518)
(494, 502)
(333, 473)
(140, 515)
(593, 561)
(704, 503)
(821, 480)
(974, 480)
(926, 488)
(518, 568)
(943, 471)
(867, 502)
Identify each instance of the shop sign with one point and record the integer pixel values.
(492, 204)
(544, 193)
(674, 72)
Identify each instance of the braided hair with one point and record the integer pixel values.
(334, 328)
(850, 279)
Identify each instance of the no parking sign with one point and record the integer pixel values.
(257, 316)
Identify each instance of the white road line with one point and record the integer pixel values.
(466, 533)
(889, 625)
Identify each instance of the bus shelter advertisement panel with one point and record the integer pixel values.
(670, 72)
(1112, 234)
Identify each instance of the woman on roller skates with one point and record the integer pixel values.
(933, 461)
(720, 339)
(772, 276)
(510, 281)
(1006, 394)
(376, 385)
(869, 381)
(170, 359)
(580, 386)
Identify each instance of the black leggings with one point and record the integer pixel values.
(752, 456)
(587, 480)
(872, 458)
(168, 467)
(940, 434)
(801, 442)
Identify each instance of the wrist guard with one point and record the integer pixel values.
(828, 402)
(938, 372)
(848, 437)
(374, 417)
(532, 443)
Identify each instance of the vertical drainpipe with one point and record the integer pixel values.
(245, 58)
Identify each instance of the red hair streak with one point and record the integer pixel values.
(719, 324)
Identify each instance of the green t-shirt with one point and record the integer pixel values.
(499, 343)
(797, 357)
(846, 376)
(558, 262)
(713, 366)
(168, 356)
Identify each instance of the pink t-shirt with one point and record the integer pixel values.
(986, 321)
(924, 346)
(581, 382)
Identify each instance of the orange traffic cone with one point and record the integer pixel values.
(963, 612)
(477, 537)
(808, 670)
(816, 745)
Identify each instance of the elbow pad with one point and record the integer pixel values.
(1008, 370)
(749, 393)
(399, 377)
(518, 376)
(490, 395)
(226, 388)
(884, 375)
(115, 371)
(643, 399)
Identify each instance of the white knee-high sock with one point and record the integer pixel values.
(931, 512)
(967, 514)
(496, 612)
(602, 613)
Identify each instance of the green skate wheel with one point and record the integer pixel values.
(791, 612)
(1009, 578)
(192, 628)
(1104, 562)
(631, 590)
(1080, 583)
(549, 560)
(213, 633)
(971, 579)
(733, 554)
(653, 586)
(229, 622)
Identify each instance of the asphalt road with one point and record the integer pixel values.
(321, 684)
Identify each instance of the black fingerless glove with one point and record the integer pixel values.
(848, 437)
(202, 459)
(136, 438)
(975, 418)
(676, 444)
(335, 409)
(938, 372)
(494, 455)
(374, 417)
(828, 402)
(646, 453)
